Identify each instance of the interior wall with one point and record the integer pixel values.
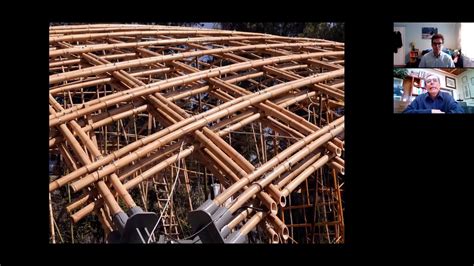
(413, 34)
(399, 58)
(465, 81)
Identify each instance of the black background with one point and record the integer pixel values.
(408, 190)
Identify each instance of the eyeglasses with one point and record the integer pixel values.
(431, 80)
(437, 43)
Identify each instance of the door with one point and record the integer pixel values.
(399, 56)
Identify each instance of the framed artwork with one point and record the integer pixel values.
(450, 82)
(467, 94)
(428, 32)
(422, 74)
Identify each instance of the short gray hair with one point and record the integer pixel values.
(433, 75)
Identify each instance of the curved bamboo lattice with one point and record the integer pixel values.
(140, 112)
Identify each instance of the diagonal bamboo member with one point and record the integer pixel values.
(134, 111)
(245, 102)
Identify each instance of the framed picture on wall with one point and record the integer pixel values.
(428, 32)
(467, 94)
(450, 82)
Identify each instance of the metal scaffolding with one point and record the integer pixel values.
(185, 135)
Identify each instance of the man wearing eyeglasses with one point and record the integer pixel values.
(434, 101)
(437, 58)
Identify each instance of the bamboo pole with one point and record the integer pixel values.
(83, 170)
(281, 228)
(273, 236)
(187, 184)
(239, 218)
(103, 189)
(251, 223)
(274, 161)
(227, 163)
(300, 178)
(118, 186)
(231, 152)
(286, 165)
(51, 221)
(161, 85)
(336, 166)
(193, 126)
(97, 204)
(147, 69)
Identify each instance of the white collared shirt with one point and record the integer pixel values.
(430, 60)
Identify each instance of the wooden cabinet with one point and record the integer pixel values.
(412, 87)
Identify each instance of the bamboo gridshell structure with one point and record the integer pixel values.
(163, 118)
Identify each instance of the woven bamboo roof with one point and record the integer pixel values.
(135, 108)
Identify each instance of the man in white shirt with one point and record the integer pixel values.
(437, 58)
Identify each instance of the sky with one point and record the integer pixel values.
(207, 25)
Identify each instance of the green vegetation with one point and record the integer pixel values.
(323, 30)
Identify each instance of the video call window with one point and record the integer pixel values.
(430, 90)
(433, 68)
(439, 45)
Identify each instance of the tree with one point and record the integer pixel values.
(322, 30)
(327, 30)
